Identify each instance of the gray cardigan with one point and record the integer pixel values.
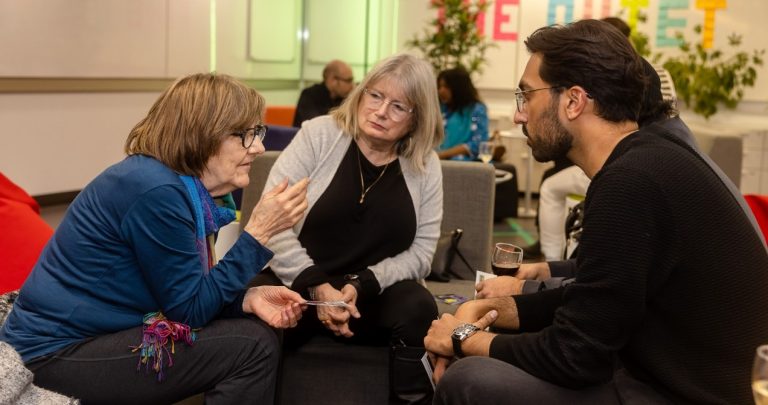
(316, 152)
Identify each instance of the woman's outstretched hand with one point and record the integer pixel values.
(278, 210)
(279, 307)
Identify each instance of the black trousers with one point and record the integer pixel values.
(232, 361)
(401, 314)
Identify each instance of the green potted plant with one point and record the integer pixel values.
(453, 39)
(705, 79)
(639, 39)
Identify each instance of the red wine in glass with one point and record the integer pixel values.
(506, 259)
(505, 269)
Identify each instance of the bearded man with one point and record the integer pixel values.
(667, 304)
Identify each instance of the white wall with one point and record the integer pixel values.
(52, 143)
(103, 38)
(57, 142)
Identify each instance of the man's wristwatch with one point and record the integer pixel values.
(460, 334)
(353, 279)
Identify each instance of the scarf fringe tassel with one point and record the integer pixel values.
(159, 334)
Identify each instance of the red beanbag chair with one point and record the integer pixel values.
(23, 234)
(759, 206)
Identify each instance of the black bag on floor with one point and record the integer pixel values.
(447, 250)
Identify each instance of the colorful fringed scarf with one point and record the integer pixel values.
(159, 332)
(208, 218)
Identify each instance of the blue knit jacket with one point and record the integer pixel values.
(126, 247)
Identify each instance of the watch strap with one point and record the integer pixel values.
(354, 279)
(457, 347)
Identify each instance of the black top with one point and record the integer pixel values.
(671, 283)
(314, 101)
(344, 236)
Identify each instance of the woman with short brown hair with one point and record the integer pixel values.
(131, 275)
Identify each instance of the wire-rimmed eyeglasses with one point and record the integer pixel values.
(520, 96)
(248, 135)
(374, 99)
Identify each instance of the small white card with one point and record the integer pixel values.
(482, 276)
(428, 367)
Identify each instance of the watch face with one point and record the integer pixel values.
(464, 331)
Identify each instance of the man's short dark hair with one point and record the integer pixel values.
(619, 24)
(594, 55)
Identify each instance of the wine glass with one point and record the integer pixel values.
(760, 376)
(486, 151)
(506, 259)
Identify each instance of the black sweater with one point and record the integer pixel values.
(314, 101)
(671, 284)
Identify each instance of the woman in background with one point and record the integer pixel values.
(465, 117)
(375, 208)
(132, 264)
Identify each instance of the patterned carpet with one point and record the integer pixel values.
(517, 231)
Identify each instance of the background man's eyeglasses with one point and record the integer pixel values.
(348, 80)
(247, 136)
(374, 99)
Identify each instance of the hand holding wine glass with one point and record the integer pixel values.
(506, 259)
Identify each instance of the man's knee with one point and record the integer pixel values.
(469, 380)
(476, 379)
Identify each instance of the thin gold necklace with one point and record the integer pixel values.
(362, 182)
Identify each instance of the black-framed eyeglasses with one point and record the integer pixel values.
(374, 100)
(520, 96)
(248, 135)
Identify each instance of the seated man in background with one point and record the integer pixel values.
(666, 305)
(320, 98)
